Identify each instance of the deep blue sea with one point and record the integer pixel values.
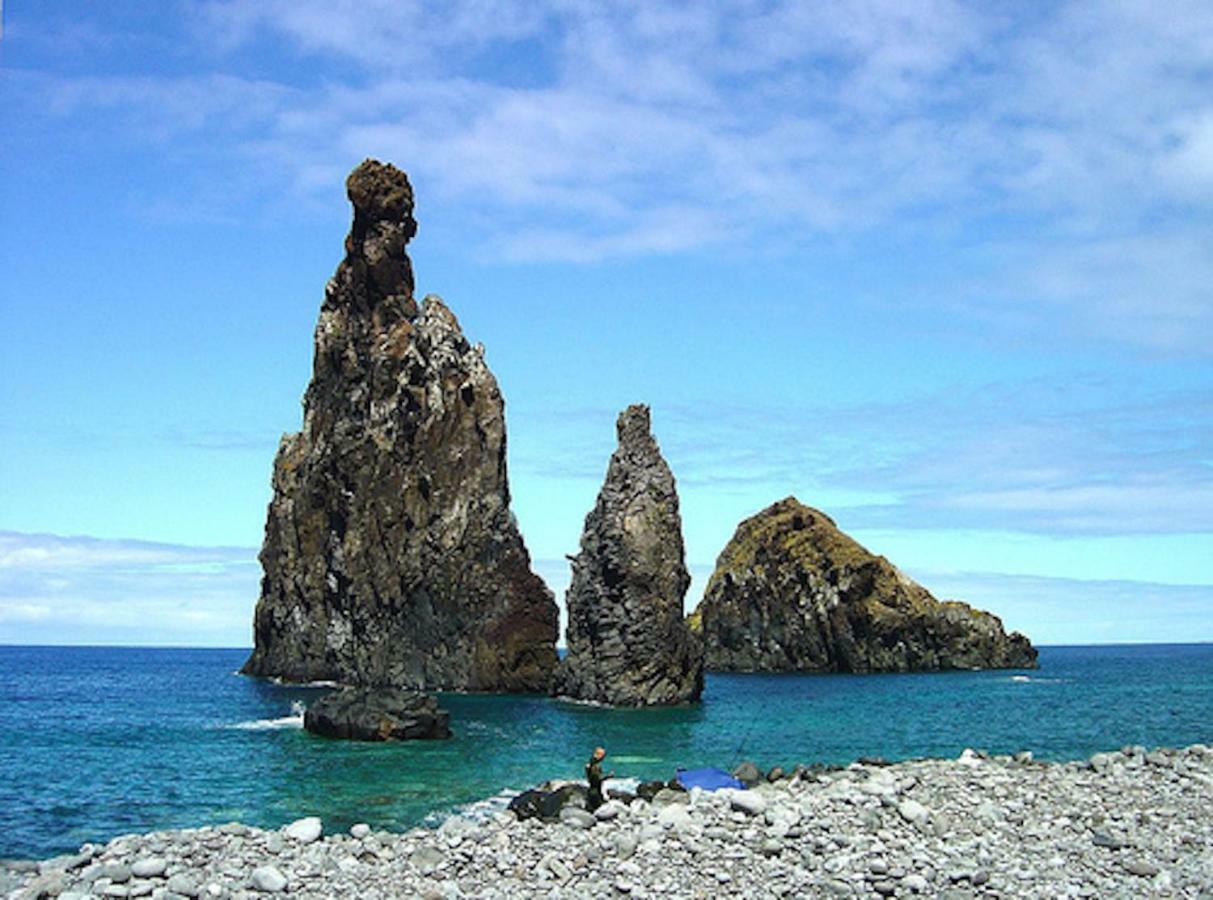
(96, 742)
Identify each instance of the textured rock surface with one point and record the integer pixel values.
(390, 554)
(628, 643)
(793, 593)
(377, 714)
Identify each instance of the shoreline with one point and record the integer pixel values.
(1125, 823)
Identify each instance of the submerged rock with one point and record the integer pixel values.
(791, 592)
(628, 643)
(377, 714)
(390, 554)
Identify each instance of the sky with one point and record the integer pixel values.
(943, 270)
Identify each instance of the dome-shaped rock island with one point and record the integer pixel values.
(793, 593)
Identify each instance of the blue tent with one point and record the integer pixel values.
(707, 779)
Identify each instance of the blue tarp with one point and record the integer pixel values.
(707, 779)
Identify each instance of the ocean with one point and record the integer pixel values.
(96, 742)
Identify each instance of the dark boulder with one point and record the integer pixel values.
(377, 714)
(748, 774)
(547, 805)
(647, 790)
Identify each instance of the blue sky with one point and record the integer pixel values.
(940, 269)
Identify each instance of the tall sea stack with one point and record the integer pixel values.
(792, 593)
(390, 554)
(628, 643)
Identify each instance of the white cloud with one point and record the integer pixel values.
(562, 131)
(87, 590)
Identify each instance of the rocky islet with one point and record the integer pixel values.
(377, 714)
(793, 593)
(390, 555)
(391, 558)
(628, 642)
(1126, 823)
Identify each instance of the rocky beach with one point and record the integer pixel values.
(1128, 823)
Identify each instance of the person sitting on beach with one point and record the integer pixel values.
(593, 774)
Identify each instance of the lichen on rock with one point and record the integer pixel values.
(628, 644)
(793, 593)
(390, 555)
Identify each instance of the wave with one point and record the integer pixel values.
(277, 679)
(294, 720)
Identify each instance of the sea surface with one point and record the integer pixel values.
(96, 742)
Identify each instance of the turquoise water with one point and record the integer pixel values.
(99, 741)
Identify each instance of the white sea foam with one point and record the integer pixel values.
(294, 720)
(1036, 679)
(305, 684)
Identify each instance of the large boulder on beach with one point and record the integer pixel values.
(390, 555)
(793, 593)
(628, 642)
(377, 714)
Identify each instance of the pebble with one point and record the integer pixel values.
(268, 880)
(913, 811)
(149, 868)
(916, 883)
(117, 873)
(1141, 868)
(1125, 826)
(305, 831)
(748, 802)
(183, 885)
(577, 818)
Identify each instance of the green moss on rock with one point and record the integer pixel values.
(792, 592)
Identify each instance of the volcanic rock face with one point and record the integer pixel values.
(390, 555)
(628, 644)
(792, 593)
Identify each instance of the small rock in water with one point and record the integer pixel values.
(268, 880)
(305, 831)
(747, 773)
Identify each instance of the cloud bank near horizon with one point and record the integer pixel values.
(82, 590)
